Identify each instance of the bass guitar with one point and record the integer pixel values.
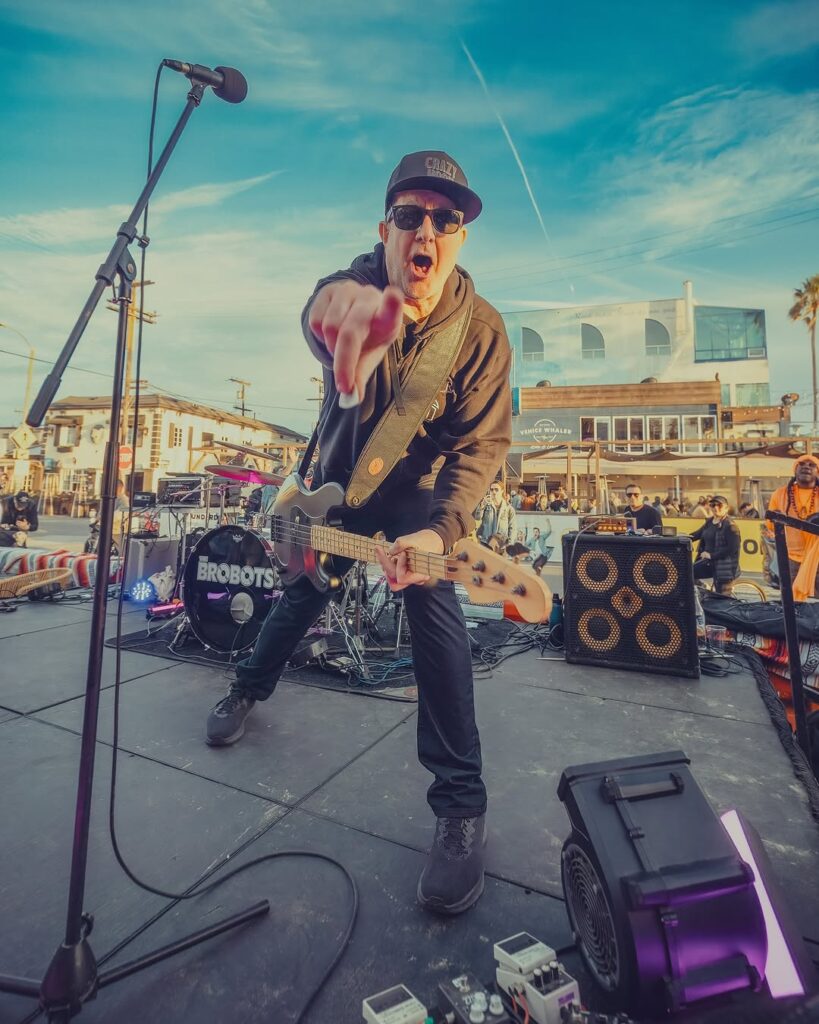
(306, 535)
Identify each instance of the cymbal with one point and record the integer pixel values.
(246, 450)
(245, 474)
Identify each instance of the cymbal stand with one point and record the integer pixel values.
(396, 600)
(337, 618)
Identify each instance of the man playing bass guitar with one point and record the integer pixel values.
(368, 325)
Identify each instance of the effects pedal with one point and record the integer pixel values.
(527, 967)
(464, 1000)
(396, 1005)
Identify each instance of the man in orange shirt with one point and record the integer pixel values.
(799, 498)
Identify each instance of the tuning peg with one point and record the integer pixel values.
(478, 581)
(479, 566)
(499, 577)
(519, 589)
(463, 556)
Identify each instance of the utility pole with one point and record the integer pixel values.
(133, 316)
(319, 382)
(240, 393)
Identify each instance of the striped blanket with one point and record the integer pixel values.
(14, 561)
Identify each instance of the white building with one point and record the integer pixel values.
(174, 436)
(673, 339)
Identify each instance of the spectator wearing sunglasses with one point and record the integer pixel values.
(645, 517)
(367, 325)
(719, 544)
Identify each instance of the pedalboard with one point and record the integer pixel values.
(396, 1005)
(464, 1000)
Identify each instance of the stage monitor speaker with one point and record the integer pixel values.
(145, 557)
(663, 907)
(629, 603)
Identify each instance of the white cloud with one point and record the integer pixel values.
(70, 226)
(777, 30)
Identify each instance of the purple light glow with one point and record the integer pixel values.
(780, 970)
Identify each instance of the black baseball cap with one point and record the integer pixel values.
(436, 171)
(21, 496)
(720, 499)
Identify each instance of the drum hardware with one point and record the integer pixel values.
(347, 614)
(245, 474)
(390, 599)
(245, 449)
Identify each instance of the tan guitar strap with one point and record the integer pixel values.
(398, 425)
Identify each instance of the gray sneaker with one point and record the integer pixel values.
(226, 721)
(452, 880)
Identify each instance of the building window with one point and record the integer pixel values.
(532, 345)
(174, 437)
(594, 428)
(702, 429)
(629, 428)
(753, 394)
(658, 340)
(663, 431)
(207, 439)
(592, 343)
(724, 334)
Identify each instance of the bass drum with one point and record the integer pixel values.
(230, 584)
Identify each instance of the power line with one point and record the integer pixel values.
(156, 387)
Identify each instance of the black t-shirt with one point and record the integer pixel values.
(645, 517)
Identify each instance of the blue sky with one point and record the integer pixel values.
(660, 142)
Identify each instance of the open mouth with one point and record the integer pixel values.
(422, 264)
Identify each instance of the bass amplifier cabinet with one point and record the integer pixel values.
(145, 557)
(629, 603)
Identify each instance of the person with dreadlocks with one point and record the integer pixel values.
(799, 498)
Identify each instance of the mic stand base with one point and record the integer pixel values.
(72, 978)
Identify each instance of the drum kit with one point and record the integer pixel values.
(230, 582)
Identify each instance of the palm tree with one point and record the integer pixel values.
(806, 307)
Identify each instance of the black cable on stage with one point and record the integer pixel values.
(776, 709)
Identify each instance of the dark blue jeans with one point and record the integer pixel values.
(448, 742)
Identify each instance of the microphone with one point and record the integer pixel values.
(228, 83)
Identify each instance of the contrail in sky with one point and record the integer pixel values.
(515, 153)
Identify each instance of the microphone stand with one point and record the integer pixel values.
(72, 977)
(780, 521)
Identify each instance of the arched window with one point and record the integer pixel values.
(592, 343)
(532, 345)
(658, 340)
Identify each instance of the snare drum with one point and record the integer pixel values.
(230, 584)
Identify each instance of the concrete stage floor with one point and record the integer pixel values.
(337, 773)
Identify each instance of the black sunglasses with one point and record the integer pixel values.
(411, 217)
(632, 494)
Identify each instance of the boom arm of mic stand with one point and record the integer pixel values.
(107, 271)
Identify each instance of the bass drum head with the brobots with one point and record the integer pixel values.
(230, 586)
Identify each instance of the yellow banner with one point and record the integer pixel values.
(750, 530)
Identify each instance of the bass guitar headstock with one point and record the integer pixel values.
(488, 577)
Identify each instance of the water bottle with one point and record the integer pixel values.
(556, 614)
(700, 618)
(556, 622)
